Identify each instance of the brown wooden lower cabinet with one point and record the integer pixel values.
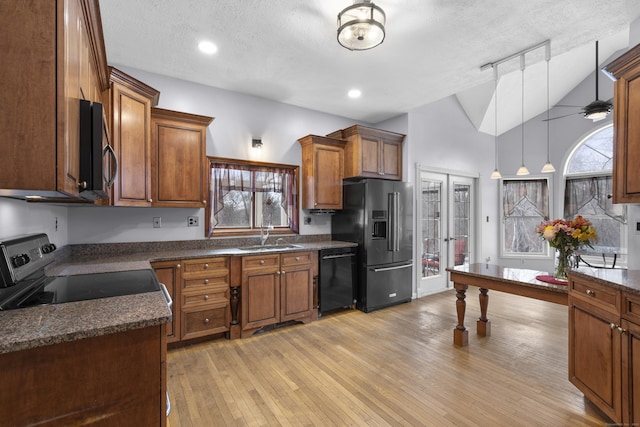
(276, 288)
(200, 291)
(604, 347)
(116, 379)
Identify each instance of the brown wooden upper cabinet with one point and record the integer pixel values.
(371, 153)
(626, 110)
(180, 167)
(322, 172)
(130, 124)
(52, 57)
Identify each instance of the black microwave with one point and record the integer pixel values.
(96, 155)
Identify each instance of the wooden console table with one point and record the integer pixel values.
(517, 281)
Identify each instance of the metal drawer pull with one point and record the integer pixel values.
(206, 266)
(206, 297)
(591, 293)
(297, 258)
(206, 321)
(261, 261)
(206, 281)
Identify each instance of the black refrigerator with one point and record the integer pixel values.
(377, 214)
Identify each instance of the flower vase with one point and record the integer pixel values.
(563, 262)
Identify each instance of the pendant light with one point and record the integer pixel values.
(496, 173)
(548, 167)
(523, 169)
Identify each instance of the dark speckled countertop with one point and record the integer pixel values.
(50, 324)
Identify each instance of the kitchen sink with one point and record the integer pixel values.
(269, 247)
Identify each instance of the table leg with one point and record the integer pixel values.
(460, 333)
(483, 324)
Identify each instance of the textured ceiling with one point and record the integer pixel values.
(286, 50)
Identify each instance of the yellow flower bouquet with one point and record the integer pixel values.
(567, 236)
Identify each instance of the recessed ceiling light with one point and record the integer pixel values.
(207, 47)
(354, 93)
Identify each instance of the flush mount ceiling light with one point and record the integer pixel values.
(361, 25)
(354, 93)
(207, 47)
(256, 143)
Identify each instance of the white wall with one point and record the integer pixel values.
(238, 119)
(17, 218)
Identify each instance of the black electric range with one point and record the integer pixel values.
(24, 283)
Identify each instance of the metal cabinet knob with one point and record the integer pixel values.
(206, 297)
(206, 321)
(591, 293)
(261, 261)
(277, 272)
(206, 281)
(206, 266)
(178, 266)
(150, 200)
(297, 258)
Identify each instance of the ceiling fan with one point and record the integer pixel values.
(596, 110)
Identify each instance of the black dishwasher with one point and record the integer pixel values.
(337, 278)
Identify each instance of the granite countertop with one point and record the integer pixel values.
(519, 276)
(38, 326)
(622, 279)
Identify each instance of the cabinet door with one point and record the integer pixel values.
(260, 296)
(594, 356)
(371, 157)
(168, 272)
(631, 372)
(296, 293)
(69, 108)
(180, 167)
(131, 140)
(391, 160)
(328, 169)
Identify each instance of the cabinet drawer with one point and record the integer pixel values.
(631, 307)
(296, 258)
(211, 295)
(221, 278)
(597, 294)
(205, 321)
(196, 266)
(261, 261)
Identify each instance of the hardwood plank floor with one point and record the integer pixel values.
(392, 367)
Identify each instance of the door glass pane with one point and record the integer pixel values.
(431, 227)
(461, 223)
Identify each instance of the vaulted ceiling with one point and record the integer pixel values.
(286, 50)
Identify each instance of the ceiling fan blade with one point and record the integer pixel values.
(560, 117)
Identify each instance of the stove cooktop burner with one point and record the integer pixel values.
(62, 289)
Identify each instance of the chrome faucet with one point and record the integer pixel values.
(264, 237)
(278, 240)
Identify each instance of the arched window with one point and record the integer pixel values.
(588, 189)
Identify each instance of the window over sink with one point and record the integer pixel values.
(244, 196)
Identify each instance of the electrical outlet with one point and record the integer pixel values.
(192, 221)
(157, 222)
(307, 220)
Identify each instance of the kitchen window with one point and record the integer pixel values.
(525, 204)
(244, 196)
(588, 189)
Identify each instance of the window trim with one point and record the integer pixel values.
(295, 169)
(523, 255)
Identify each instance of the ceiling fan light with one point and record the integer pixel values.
(361, 26)
(548, 168)
(596, 115)
(496, 174)
(522, 171)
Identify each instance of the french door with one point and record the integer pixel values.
(446, 207)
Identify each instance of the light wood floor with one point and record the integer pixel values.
(392, 367)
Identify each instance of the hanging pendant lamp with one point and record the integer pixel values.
(548, 167)
(523, 169)
(496, 173)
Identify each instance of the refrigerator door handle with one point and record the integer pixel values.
(398, 267)
(393, 205)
